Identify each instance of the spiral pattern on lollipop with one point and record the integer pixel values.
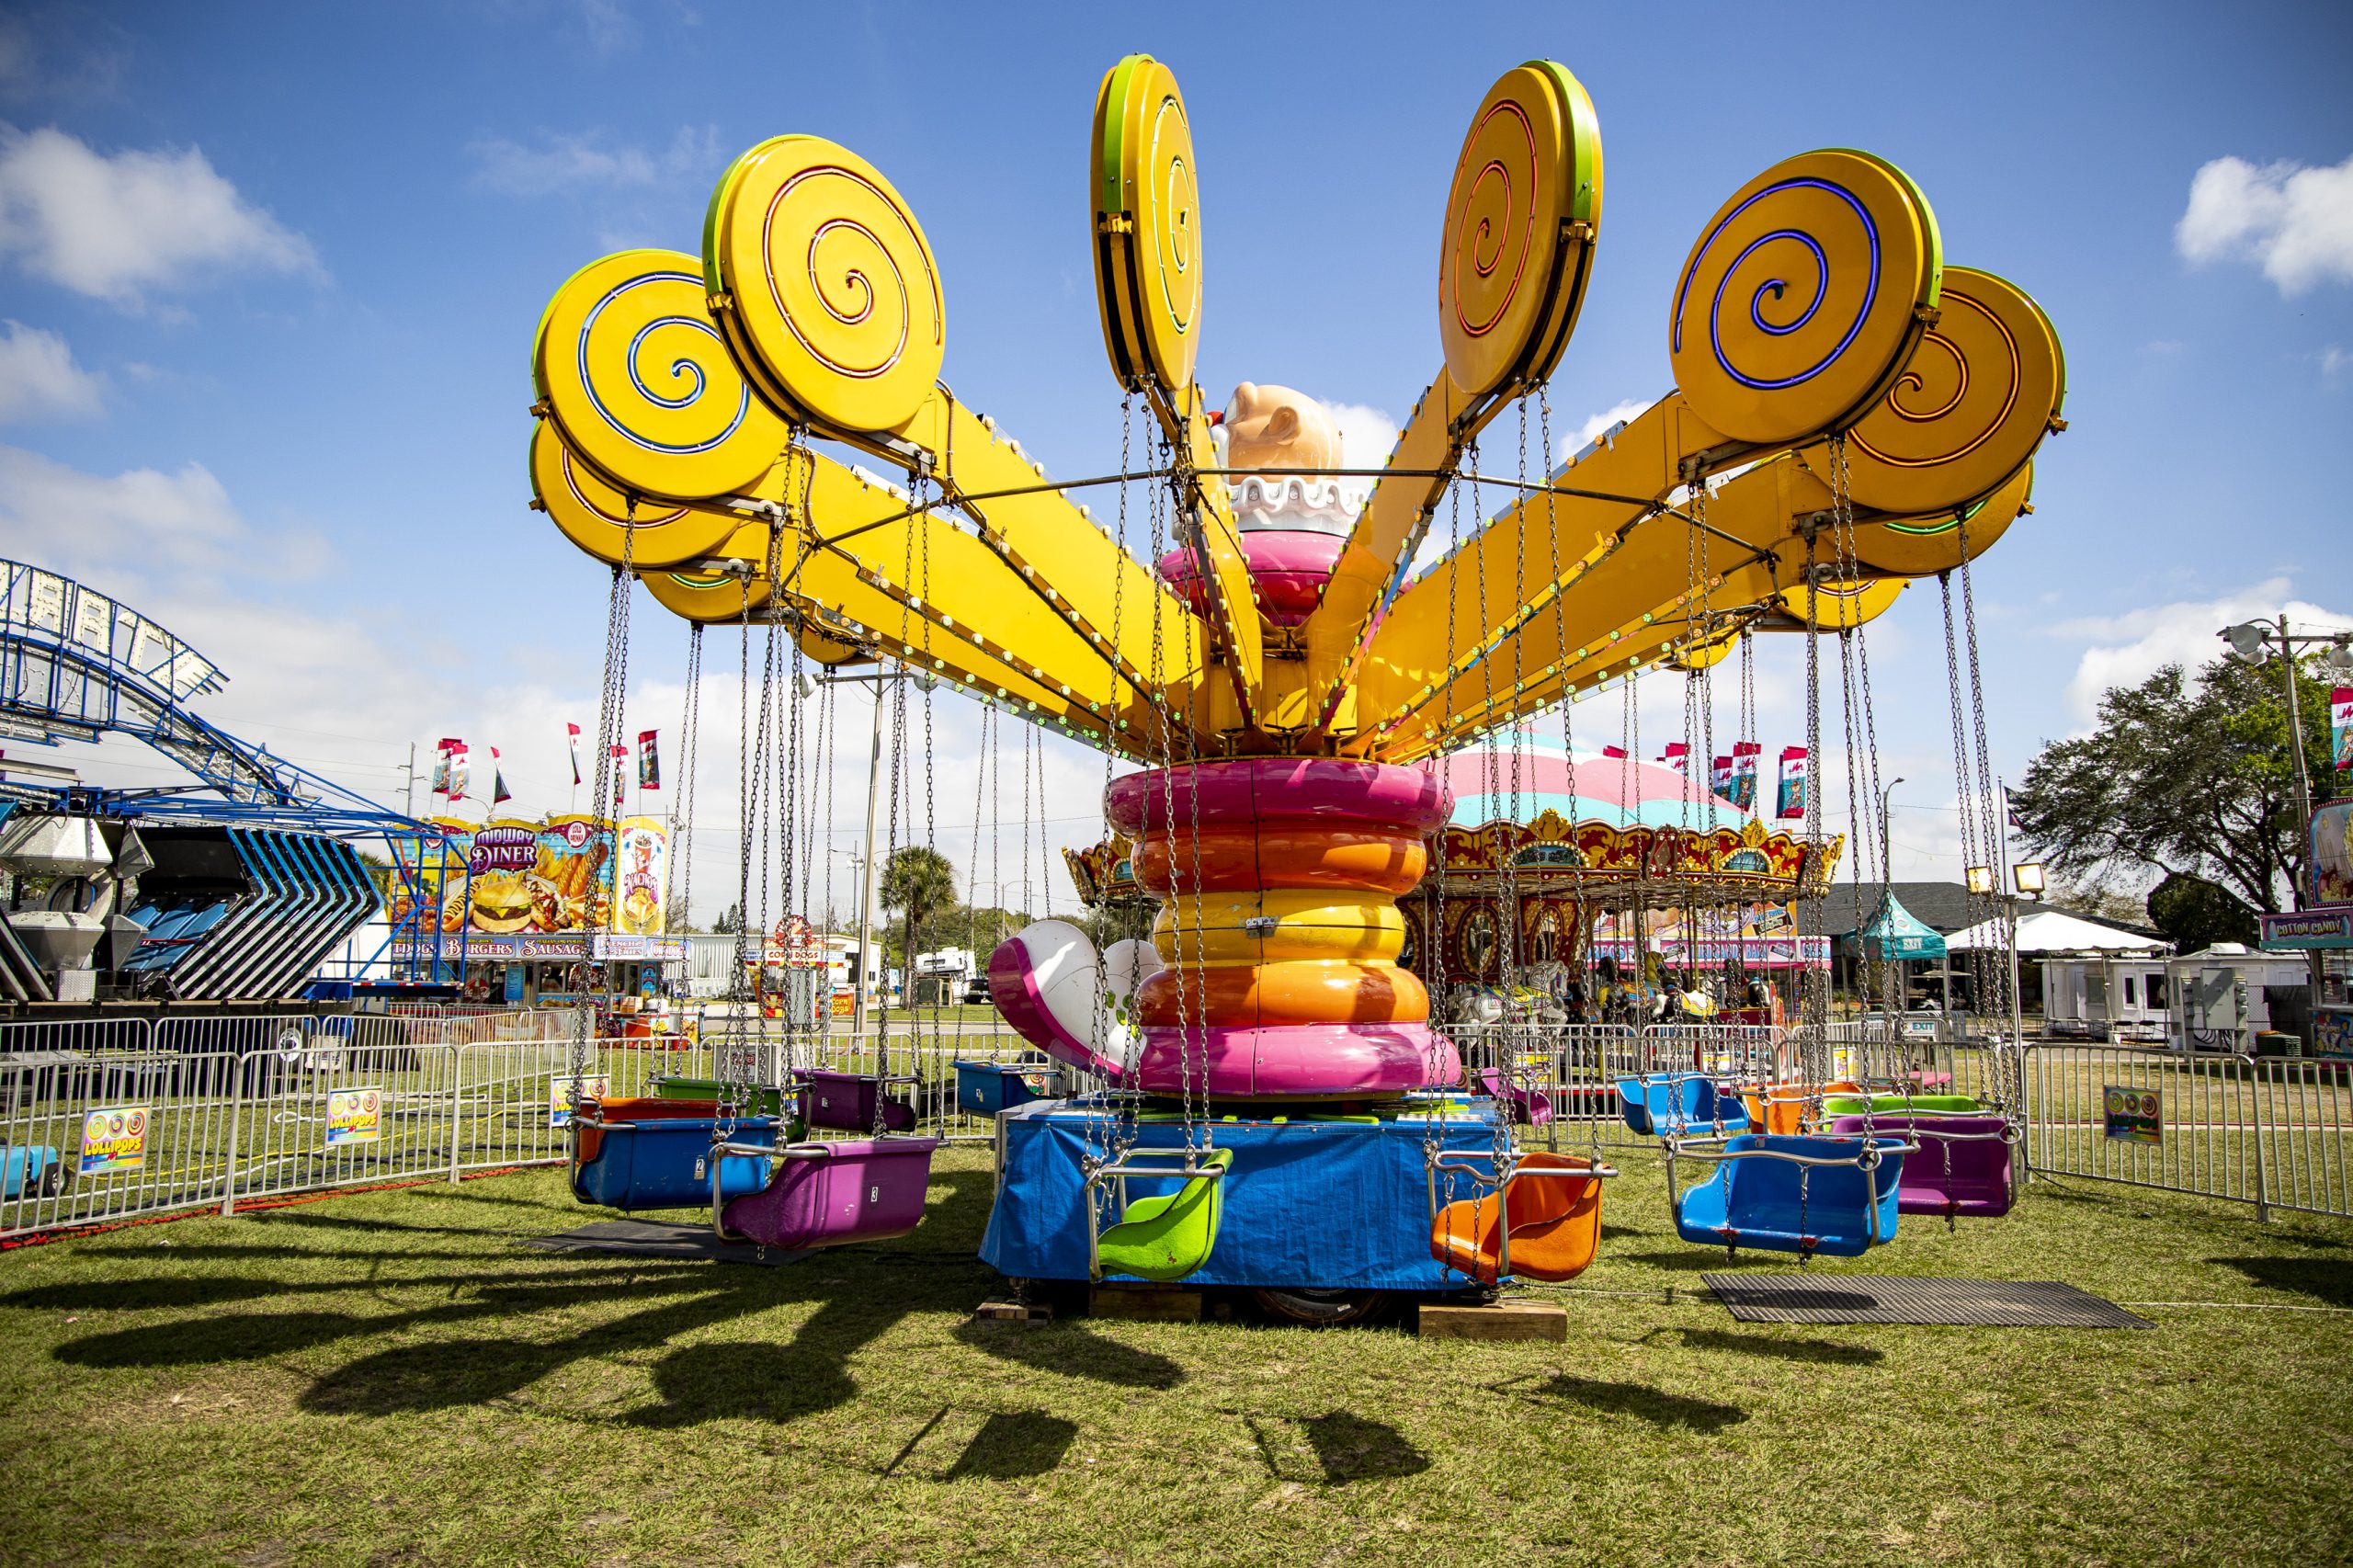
(1933, 396)
(1491, 229)
(1176, 226)
(679, 393)
(850, 276)
(592, 495)
(1752, 285)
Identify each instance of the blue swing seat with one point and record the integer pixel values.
(636, 1160)
(1678, 1105)
(1770, 1202)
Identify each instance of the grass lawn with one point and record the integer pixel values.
(388, 1379)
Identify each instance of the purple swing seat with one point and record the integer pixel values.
(1966, 1177)
(829, 1195)
(1529, 1107)
(847, 1102)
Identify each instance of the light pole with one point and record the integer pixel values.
(1889, 982)
(867, 967)
(2251, 641)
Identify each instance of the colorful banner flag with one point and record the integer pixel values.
(1676, 755)
(572, 739)
(1720, 776)
(1617, 751)
(499, 793)
(2010, 810)
(1744, 774)
(441, 754)
(1790, 796)
(2340, 727)
(649, 760)
(459, 775)
(621, 776)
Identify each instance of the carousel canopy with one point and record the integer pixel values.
(1622, 791)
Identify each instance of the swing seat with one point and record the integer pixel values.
(1529, 1107)
(1555, 1224)
(847, 1102)
(1774, 1204)
(1781, 1109)
(1962, 1169)
(830, 1194)
(1167, 1238)
(769, 1101)
(1904, 1104)
(640, 1154)
(1674, 1104)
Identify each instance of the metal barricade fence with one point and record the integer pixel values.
(2276, 1133)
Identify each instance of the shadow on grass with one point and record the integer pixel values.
(1346, 1448)
(2329, 1279)
(1821, 1352)
(660, 1304)
(1656, 1406)
(1690, 1260)
(1351, 1448)
(1073, 1351)
(1011, 1445)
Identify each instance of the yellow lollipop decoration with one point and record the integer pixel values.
(1520, 222)
(1974, 401)
(599, 519)
(638, 381)
(1804, 298)
(1918, 545)
(1147, 225)
(824, 286)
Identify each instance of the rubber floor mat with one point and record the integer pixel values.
(1960, 1304)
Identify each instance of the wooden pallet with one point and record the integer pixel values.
(1504, 1320)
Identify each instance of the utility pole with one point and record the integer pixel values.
(409, 806)
(870, 964)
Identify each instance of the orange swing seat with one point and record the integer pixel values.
(1555, 1223)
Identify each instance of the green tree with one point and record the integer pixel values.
(2194, 913)
(2183, 775)
(921, 884)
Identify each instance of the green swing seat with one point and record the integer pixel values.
(1167, 1238)
(1901, 1105)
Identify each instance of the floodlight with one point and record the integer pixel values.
(1981, 879)
(2250, 640)
(806, 685)
(2339, 656)
(2028, 876)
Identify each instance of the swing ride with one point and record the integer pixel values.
(1292, 655)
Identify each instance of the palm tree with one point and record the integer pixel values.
(921, 883)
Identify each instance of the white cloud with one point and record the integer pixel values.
(38, 379)
(2296, 222)
(115, 228)
(2334, 358)
(2127, 649)
(75, 521)
(1572, 443)
(1366, 433)
(576, 161)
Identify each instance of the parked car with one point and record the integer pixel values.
(976, 991)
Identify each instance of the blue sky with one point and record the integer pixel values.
(274, 270)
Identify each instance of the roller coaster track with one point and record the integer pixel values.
(75, 664)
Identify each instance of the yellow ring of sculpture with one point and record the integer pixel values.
(1974, 402)
(1521, 219)
(1146, 199)
(1916, 547)
(1837, 606)
(596, 516)
(1803, 298)
(638, 381)
(824, 285)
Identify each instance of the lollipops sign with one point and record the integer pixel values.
(824, 285)
(1974, 402)
(599, 519)
(1520, 222)
(1804, 297)
(639, 383)
(1147, 224)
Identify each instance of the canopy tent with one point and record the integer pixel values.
(2050, 931)
(1892, 934)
